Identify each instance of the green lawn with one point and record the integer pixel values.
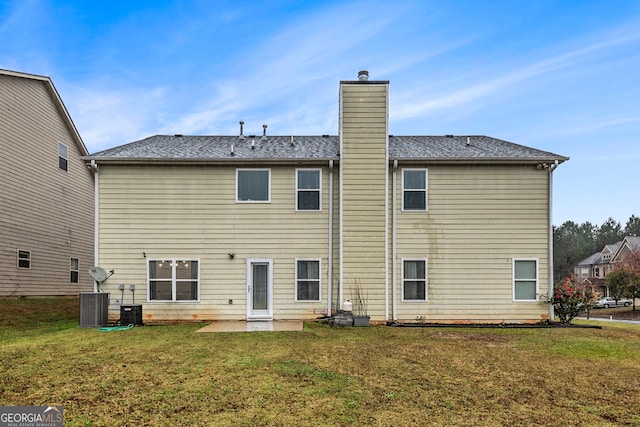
(169, 375)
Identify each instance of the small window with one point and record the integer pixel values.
(414, 189)
(252, 185)
(73, 270)
(525, 279)
(173, 280)
(24, 259)
(307, 280)
(308, 189)
(414, 280)
(62, 157)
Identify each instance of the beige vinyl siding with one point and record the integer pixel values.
(364, 175)
(190, 212)
(43, 209)
(480, 218)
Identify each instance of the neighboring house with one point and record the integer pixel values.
(442, 228)
(46, 192)
(593, 270)
(628, 244)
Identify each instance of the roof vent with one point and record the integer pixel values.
(468, 141)
(178, 135)
(253, 144)
(449, 136)
(363, 75)
(264, 131)
(325, 135)
(241, 125)
(232, 152)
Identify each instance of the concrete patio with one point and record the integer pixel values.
(257, 326)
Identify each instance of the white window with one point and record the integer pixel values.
(73, 270)
(525, 279)
(414, 280)
(173, 280)
(24, 259)
(62, 157)
(414, 189)
(307, 280)
(308, 196)
(253, 185)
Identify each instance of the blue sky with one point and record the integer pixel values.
(558, 76)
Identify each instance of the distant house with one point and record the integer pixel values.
(593, 270)
(442, 228)
(628, 244)
(46, 192)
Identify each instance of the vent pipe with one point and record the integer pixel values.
(264, 131)
(253, 144)
(232, 152)
(241, 125)
(363, 75)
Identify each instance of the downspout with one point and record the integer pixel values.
(551, 169)
(330, 252)
(393, 242)
(96, 217)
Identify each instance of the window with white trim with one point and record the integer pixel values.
(173, 280)
(307, 280)
(73, 270)
(63, 162)
(24, 259)
(253, 185)
(414, 279)
(308, 196)
(414, 189)
(525, 279)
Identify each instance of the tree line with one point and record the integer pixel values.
(574, 242)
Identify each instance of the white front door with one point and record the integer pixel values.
(259, 289)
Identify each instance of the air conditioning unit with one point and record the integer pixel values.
(131, 315)
(94, 310)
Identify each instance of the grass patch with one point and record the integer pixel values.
(169, 375)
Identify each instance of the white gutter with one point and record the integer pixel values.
(393, 241)
(552, 167)
(340, 203)
(96, 217)
(386, 211)
(330, 254)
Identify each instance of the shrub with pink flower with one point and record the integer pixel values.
(570, 299)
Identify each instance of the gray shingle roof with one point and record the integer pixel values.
(592, 259)
(322, 147)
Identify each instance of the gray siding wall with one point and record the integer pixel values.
(190, 212)
(43, 209)
(479, 219)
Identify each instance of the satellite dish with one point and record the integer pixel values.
(98, 274)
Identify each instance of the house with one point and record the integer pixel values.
(630, 244)
(593, 270)
(46, 192)
(442, 228)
